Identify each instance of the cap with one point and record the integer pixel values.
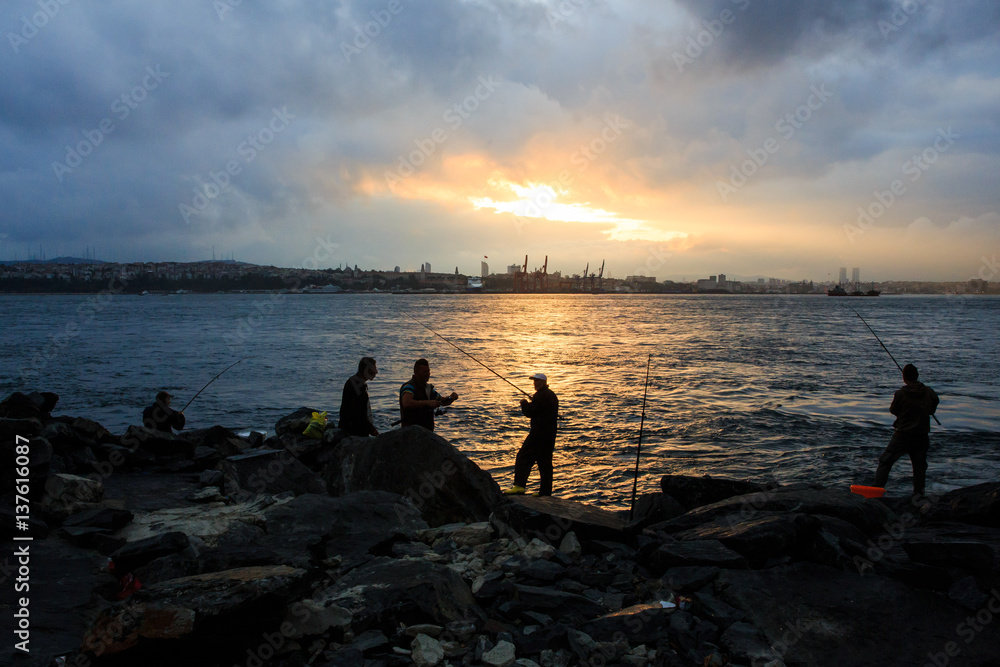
(162, 395)
(539, 376)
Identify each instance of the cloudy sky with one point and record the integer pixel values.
(684, 138)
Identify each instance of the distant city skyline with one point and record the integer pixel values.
(676, 139)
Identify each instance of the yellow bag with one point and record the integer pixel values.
(316, 426)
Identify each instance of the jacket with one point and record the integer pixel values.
(913, 404)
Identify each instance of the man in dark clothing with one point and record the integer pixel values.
(355, 406)
(541, 441)
(418, 400)
(913, 404)
(160, 416)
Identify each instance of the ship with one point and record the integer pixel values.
(838, 290)
(474, 285)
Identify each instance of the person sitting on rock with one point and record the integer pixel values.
(355, 406)
(160, 416)
(418, 399)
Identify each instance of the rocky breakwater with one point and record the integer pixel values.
(208, 549)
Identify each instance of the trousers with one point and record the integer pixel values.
(914, 444)
(535, 451)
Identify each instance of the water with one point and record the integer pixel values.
(783, 388)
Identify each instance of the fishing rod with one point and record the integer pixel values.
(210, 382)
(468, 355)
(642, 419)
(437, 413)
(886, 350)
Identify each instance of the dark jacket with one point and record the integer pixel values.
(913, 404)
(355, 407)
(162, 418)
(544, 413)
(421, 416)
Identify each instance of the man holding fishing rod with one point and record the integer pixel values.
(160, 416)
(913, 404)
(418, 400)
(543, 410)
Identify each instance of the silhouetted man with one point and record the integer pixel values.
(543, 410)
(913, 404)
(355, 406)
(418, 399)
(160, 416)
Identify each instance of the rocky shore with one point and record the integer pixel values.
(206, 548)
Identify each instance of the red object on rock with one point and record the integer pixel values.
(868, 491)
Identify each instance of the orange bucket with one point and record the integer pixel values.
(868, 491)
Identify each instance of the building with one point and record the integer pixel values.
(843, 275)
(513, 268)
(484, 269)
(709, 284)
(856, 275)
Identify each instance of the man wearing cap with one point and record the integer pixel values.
(160, 416)
(543, 410)
(418, 399)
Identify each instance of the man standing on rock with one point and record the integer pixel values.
(160, 416)
(913, 404)
(543, 410)
(355, 406)
(418, 399)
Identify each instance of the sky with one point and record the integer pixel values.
(675, 139)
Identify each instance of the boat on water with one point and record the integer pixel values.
(474, 285)
(838, 290)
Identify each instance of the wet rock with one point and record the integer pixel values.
(269, 471)
(653, 508)
(66, 495)
(549, 519)
(760, 538)
(979, 505)
(973, 557)
(441, 481)
(135, 554)
(694, 552)
(690, 491)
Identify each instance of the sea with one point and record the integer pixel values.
(768, 388)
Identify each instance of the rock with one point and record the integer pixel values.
(691, 578)
(570, 546)
(653, 508)
(206, 457)
(426, 651)
(312, 618)
(694, 552)
(270, 471)
(473, 534)
(543, 570)
(218, 438)
(210, 494)
(386, 592)
(105, 518)
(211, 478)
(538, 549)
(807, 610)
(489, 585)
(93, 431)
(243, 599)
(871, 517)
(973, 557)
(581, 643)
(210, 524)
(441, 481)
(66, 495)
(158, 444)
(715, 610)
(28, 427)
(550, 519)
(501, 655)
(557, 603)
(966, 593)
(690, 491)
(296, 422)
(36, 405)
(135, 554)
(979, 504)
(760, 538)
(640, 623)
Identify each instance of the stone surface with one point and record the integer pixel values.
(219, 438)
(426, 651)
(501, 655)
(66, 495)
(760, 538)
(269, 471)
(694, 552)
(437, 478)
(296, 422)
(550, 519)
(690, 491)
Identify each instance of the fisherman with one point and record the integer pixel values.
(913, 404)
(418, 399)
(543, 410)
(355, 406)
(160, 416)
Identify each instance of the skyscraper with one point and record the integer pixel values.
(856, 275)
(843, 275)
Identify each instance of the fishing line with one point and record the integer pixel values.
(467, 354)
(210, 382)
(885, 348)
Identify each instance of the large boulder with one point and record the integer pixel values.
(269, 471)
(25, 406)
(159, 444)
(296, 422)
(424, 467)
(65, 495)
(219, 438)
(691, 491)
(550, 519)
(764, 537)
(979, 504)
